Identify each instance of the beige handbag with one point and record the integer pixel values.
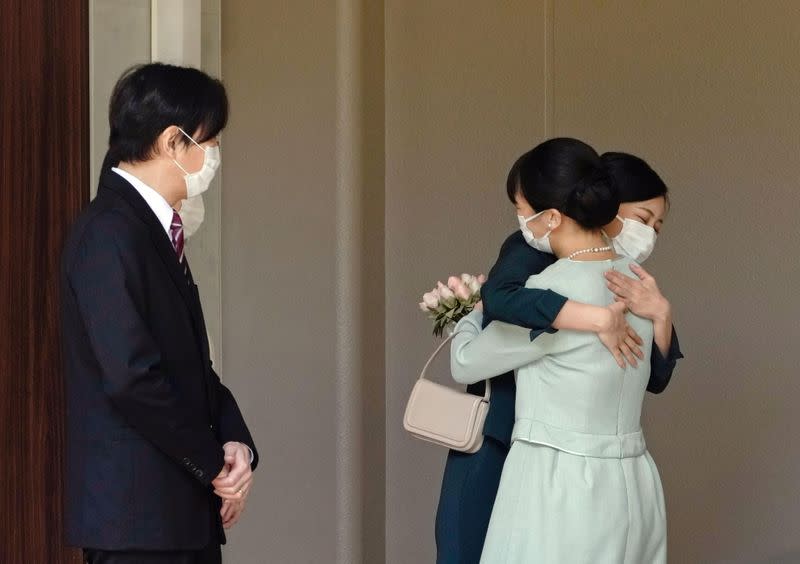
(444, 416)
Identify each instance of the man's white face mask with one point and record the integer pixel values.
(192, 213)
(198, 182)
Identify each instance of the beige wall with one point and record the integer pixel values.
(708, 93)
(303, 274)
(464, 96)
(705, 91)
(119, 37)
(278, 297)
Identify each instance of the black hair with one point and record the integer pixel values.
(635, 180)
(567, 175)
(147, 99)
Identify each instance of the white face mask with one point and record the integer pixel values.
(192, 213)
(198, 182)
(540, 244)
(636, 240)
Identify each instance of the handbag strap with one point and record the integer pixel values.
(424, 374)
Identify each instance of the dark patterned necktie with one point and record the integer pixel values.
(176, 234)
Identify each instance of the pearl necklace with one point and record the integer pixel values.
(587, 251)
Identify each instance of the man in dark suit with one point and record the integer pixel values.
(159, 457)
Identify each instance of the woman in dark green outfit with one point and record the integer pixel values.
(470, 481)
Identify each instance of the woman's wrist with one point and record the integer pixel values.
(663, 312)
(662, 335)
(602, 320)
(576, 316)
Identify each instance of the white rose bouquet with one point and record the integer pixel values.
(447, 304)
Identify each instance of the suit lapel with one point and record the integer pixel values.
(112, 181)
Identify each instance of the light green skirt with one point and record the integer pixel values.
(560, 508)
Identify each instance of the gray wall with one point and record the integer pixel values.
(119, 37)
(705, 91)
(303, 271)
(464, 97)
(708, 93)
(279, 313)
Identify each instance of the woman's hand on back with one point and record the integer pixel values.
(642, 297)
(619, 337)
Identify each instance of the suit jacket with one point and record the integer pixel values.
(147, 414)
(505, 298)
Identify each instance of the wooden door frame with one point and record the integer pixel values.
(44, 183)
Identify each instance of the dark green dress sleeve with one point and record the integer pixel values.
(662, 367)
(505, 297)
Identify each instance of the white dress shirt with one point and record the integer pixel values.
(156, 201)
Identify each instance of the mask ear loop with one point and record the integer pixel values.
(180, 167)
(189, 137)
(531, 218)
(618, 218)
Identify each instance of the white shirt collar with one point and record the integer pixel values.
(156, 201)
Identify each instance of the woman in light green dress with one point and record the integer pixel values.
(578, 486)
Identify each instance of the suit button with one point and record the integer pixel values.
(211, 427)
(198, 473)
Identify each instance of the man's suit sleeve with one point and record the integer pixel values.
(232, 426)
(505, 297)
(109, 295)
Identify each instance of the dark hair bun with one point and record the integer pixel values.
(594, 201)
(568, 175)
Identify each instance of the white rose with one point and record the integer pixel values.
(447, 295)
(431, 300)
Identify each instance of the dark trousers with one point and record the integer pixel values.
(210, 555)
(469, 488)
